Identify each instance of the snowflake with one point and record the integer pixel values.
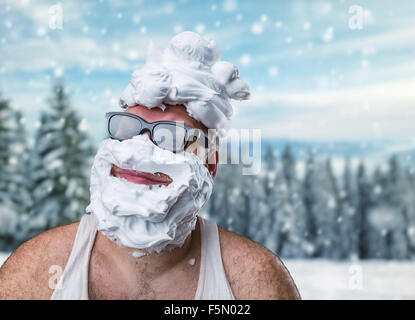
(273, 71)
(115, 47)
(58, 72)
(257, 28)
(83, 125)
(328, 34)
(229, 5)
(136, 19)
(178, 28)
(377, 189)
(331, 203)
(200, 28)
(132, 54)
(278, 24)
(13, 161)
(41, 32)
(245, 59)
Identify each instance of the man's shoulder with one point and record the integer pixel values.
(254, 272)
(26, 273)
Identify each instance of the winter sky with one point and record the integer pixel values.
(317, 69)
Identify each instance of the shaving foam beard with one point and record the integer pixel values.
(135, 216)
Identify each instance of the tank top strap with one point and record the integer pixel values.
(213, 283)
(73, 284)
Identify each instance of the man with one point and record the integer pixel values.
(142, 238)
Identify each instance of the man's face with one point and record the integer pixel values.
(171, 113)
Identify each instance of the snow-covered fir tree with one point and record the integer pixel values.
(60, 166)
(219, 203)
(364, 202)
(409, 200)
(349, 234)
(295, 228)
(8, 212)
(336, 210)
(325, 211)
(380, 216)
(15, 198)
(19, 174)
(273, 201)
(395, 192)
(310, 200)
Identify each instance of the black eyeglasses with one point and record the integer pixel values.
(168, 135)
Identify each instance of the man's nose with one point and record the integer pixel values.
(147, 133)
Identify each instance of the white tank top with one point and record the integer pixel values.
(212, 284)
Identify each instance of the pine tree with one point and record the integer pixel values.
(8, 210)
(269, 234)
(396, 188)
(349, 227)
(325, 211)
(18, 170)
(410, 207)
(15, 198)
(336, 203)
(310, 200)
(61, 163)
(364, 202)
(219, 203)
(295, 228)
(381, 217)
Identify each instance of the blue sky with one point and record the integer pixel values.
(312, 77)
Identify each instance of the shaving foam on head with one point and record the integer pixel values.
(135, 216)
(188, 72)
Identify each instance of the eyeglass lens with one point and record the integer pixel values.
(166, 136)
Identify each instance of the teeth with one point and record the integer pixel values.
(163, 175)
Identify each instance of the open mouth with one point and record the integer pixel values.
(139, 177)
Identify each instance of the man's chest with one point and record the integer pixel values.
(107, 282)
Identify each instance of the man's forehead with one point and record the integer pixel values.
(177, 113)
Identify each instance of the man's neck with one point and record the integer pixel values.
(152, 264)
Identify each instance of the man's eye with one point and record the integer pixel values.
(191, 138)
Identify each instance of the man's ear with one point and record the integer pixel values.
(212, 164)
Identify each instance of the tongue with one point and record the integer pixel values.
(138, 179)
(141, 177)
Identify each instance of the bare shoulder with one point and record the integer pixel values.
(253, 271)
(26, 273)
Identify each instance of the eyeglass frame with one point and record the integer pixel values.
(149, 126)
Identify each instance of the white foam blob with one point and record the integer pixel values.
(135, 216)
(188, 72)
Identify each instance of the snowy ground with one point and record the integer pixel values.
(323, 279)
